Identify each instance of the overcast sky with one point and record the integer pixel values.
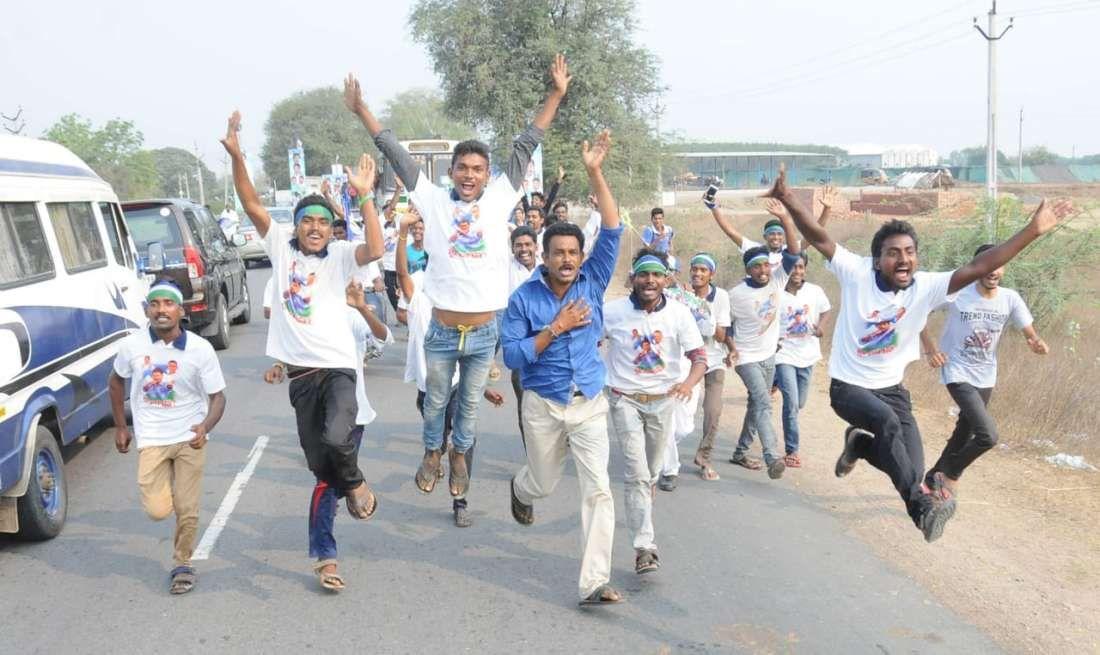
(799, 71)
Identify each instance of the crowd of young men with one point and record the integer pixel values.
(481, 276)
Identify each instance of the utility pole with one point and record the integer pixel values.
(1020, 152)
(198, 171)
(179, 185)
(992, 37)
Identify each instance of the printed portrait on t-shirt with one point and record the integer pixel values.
(467, 239)
(797, 320)
(882, 334)
(766, 311)
(158, 382)
(978, 345)
(699, 308)
(647, 352)
(299, 294)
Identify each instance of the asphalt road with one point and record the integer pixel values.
(749, 565)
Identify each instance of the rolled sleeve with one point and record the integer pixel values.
(523, 148)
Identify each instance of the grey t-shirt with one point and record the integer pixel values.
(974, 327)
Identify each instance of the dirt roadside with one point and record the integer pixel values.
(1021, 558)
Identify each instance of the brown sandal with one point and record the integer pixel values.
(359, 507)
(330, 581)
(459, 480)
(706, 471)
(426, 474)
(751, 463)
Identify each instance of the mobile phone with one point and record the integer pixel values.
(710, 194)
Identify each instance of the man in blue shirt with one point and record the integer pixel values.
(551, 328)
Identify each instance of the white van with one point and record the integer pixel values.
(69, 291)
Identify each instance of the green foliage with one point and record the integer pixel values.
(1046, 273)
(419, 114)
(112, 151)
(171, 163)
(1040, 155)
(742, 146)
(493, 57)
(974, 156)
(330, 134)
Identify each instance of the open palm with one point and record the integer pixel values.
(594, 155)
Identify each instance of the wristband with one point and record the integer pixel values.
(365, 199)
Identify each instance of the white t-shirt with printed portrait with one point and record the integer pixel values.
(308, 314)
(169, 385)
(466, 243)
(419, 315)
(644, 351)
(719, 301)
(877, 332)
(973, 330)
(799, 315)
(389, 243)
(363, 336)
(755, 317)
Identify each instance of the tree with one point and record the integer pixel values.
(493, 57)
(974, 156)
(419, 113)
(329, 133)
(171, 163)
(114, 152)
(1038, 155)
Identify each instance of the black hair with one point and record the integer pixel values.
(754, 252)
(522, 231)
(982, 248)
(470, 147)
(339, 223)
(642, 252)
(532, 208)
(656, 210)
(549, 220)
(314, 199)
(891, 228)
(539, 194)
(559, 229)
(561, 203)
(774, 221)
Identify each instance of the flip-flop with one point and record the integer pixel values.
(793, 461)
(362, 511)
(425, 477)
(751, 463)
(329, 581)
(708, 473)
(605, 594)
(183, 580)
(459, 480)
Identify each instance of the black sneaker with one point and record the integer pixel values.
(667, 482)
(847, 460)
(935, 518)
(646, 561)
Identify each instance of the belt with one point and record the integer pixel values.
(642, 397)
(578, 392)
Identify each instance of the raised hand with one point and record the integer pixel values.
(775, 208)
(1048, 214)
(828, 197)
(779, 190)
(574, 314)
(559, 74)
(353, 295)
(353, 95)
(594, 155)
(592, 201)
(561, 173)
(231, 142)
(363, 177)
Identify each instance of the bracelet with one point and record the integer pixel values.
(553, 331)
(365, 199)
(279, 365)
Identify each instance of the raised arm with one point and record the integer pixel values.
(803, 218)
(828, 198)
(363, 182)
(250, 200)
(401, 257)
(524, 146)
(552, 195)
(403, 164)
(391, 206)
(337, 206)
(724, 223)
(776, 209)
(593, 157)
(355, 298)
(1043, 220)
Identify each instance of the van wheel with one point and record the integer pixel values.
(246, 315)
(220, 338)
(43, 508)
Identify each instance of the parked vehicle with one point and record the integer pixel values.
(198, 258)
(69, 291)
(873, 176)
(252, 250)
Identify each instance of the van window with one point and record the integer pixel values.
(111, 223)
(26, 255)
(77, 235)
(156, 223)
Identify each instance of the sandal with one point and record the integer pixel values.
(429, 467)
(706, 471)
(605, 594)
(793, 461)
(522, 513)
(360, 509)
(459, 480)
(751, 463)
(183, 580)
(646, 561)
(330, 580)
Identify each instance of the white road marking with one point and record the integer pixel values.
(221, 517)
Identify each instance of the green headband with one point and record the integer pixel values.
(313, 210)
(756, 260)
(649, 264)
(166, 292)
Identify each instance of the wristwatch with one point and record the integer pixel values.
(549, 327)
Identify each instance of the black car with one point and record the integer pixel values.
(197, 257)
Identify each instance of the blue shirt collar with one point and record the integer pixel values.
(661, 302)
(753, 283)
(180, 342)
(322, 254)
(712, 293)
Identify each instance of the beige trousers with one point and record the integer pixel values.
(170, 479)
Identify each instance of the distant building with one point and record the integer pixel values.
(753, 169)
(873, 155)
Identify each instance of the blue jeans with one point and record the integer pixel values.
(472, 351)
(758, 378)
(322, 512)
(794, 385)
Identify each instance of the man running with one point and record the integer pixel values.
(754, 308)
(309, 331)
(176, 397)
(703, 268)
(466, 238)
(967, 359)
(648, 340)
(522, 265)
(884, 304)
(551, 327)
(803, 309)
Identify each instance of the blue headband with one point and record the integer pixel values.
(772, 229)
(314, 210)
(756, 260)
(649, 264)
(704, 259)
